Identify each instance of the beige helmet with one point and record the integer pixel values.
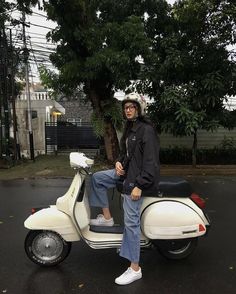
(138, 99)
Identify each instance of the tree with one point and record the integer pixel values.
(192, 71)
(98, 44)
(8, 65)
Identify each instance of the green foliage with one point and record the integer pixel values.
(5, 7)
(26, 5)
(98, 45)
(51, 81)
(101, 46)
(112, 111)
(194, 71)
(228, 143)
(98, 125)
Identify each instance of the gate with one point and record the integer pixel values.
(62, 136)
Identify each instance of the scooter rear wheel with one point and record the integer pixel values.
(176, 249)
(46, 248)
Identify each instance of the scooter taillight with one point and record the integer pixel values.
(35, 209)
(198, 200)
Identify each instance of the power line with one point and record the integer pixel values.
(36, 25)
(37, 52)
(38, 47)
(34, 57)
(50, 44)
(8, 11)
(31, 33)
(40, 38)
(42, 15)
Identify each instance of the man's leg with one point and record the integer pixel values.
(101, 181)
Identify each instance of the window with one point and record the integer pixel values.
(75, 121)
(34, 114)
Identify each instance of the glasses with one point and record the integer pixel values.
(129, 107)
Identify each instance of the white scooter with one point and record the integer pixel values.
(172, 221)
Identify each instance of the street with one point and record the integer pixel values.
(211, 269)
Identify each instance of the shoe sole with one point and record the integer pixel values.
(123, 284)
(102, 225)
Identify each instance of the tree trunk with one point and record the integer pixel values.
(111, 142)
(194, 150)
(110, 136)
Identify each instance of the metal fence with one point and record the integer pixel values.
(66, 136)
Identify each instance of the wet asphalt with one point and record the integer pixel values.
(211, 269)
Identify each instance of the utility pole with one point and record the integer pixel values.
(4, 118)
(26, 54)
(1, 92)
(16, 144)
(5, 97)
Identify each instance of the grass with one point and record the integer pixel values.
(44, 166)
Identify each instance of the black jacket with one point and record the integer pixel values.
(142, 162)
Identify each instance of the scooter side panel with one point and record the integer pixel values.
(53, 220)
(171, 220)
(67, 201)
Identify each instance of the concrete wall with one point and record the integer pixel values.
(76, 110)
(205, 139)
(38, 125)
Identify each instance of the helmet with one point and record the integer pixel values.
(138, 99)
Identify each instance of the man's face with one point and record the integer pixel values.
(131, 111)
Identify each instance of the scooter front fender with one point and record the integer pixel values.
(55, 220)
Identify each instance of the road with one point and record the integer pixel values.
(211, 269)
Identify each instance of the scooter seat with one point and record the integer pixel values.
(174, 187)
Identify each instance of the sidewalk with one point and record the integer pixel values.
(200, 170)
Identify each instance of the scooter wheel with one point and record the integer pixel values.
(176, 249)
(46, 248)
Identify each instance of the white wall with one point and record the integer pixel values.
(205, 139)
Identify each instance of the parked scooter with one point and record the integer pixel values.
(172, 221)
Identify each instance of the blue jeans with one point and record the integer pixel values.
(100, 182)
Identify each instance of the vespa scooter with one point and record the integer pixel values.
(172, 221)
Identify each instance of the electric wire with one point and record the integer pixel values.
(39, 52)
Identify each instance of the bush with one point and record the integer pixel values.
(182, 155)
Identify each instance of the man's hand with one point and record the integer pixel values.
(119, 169)
(136, 193)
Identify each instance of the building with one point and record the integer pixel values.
(43, 109)
(230, 103)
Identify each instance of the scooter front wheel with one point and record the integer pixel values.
(176, 249)
(46, 248)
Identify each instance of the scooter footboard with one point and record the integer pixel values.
(172, 220)
(53, 220)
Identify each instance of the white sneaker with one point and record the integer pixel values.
(129, 276)
(101, 221)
